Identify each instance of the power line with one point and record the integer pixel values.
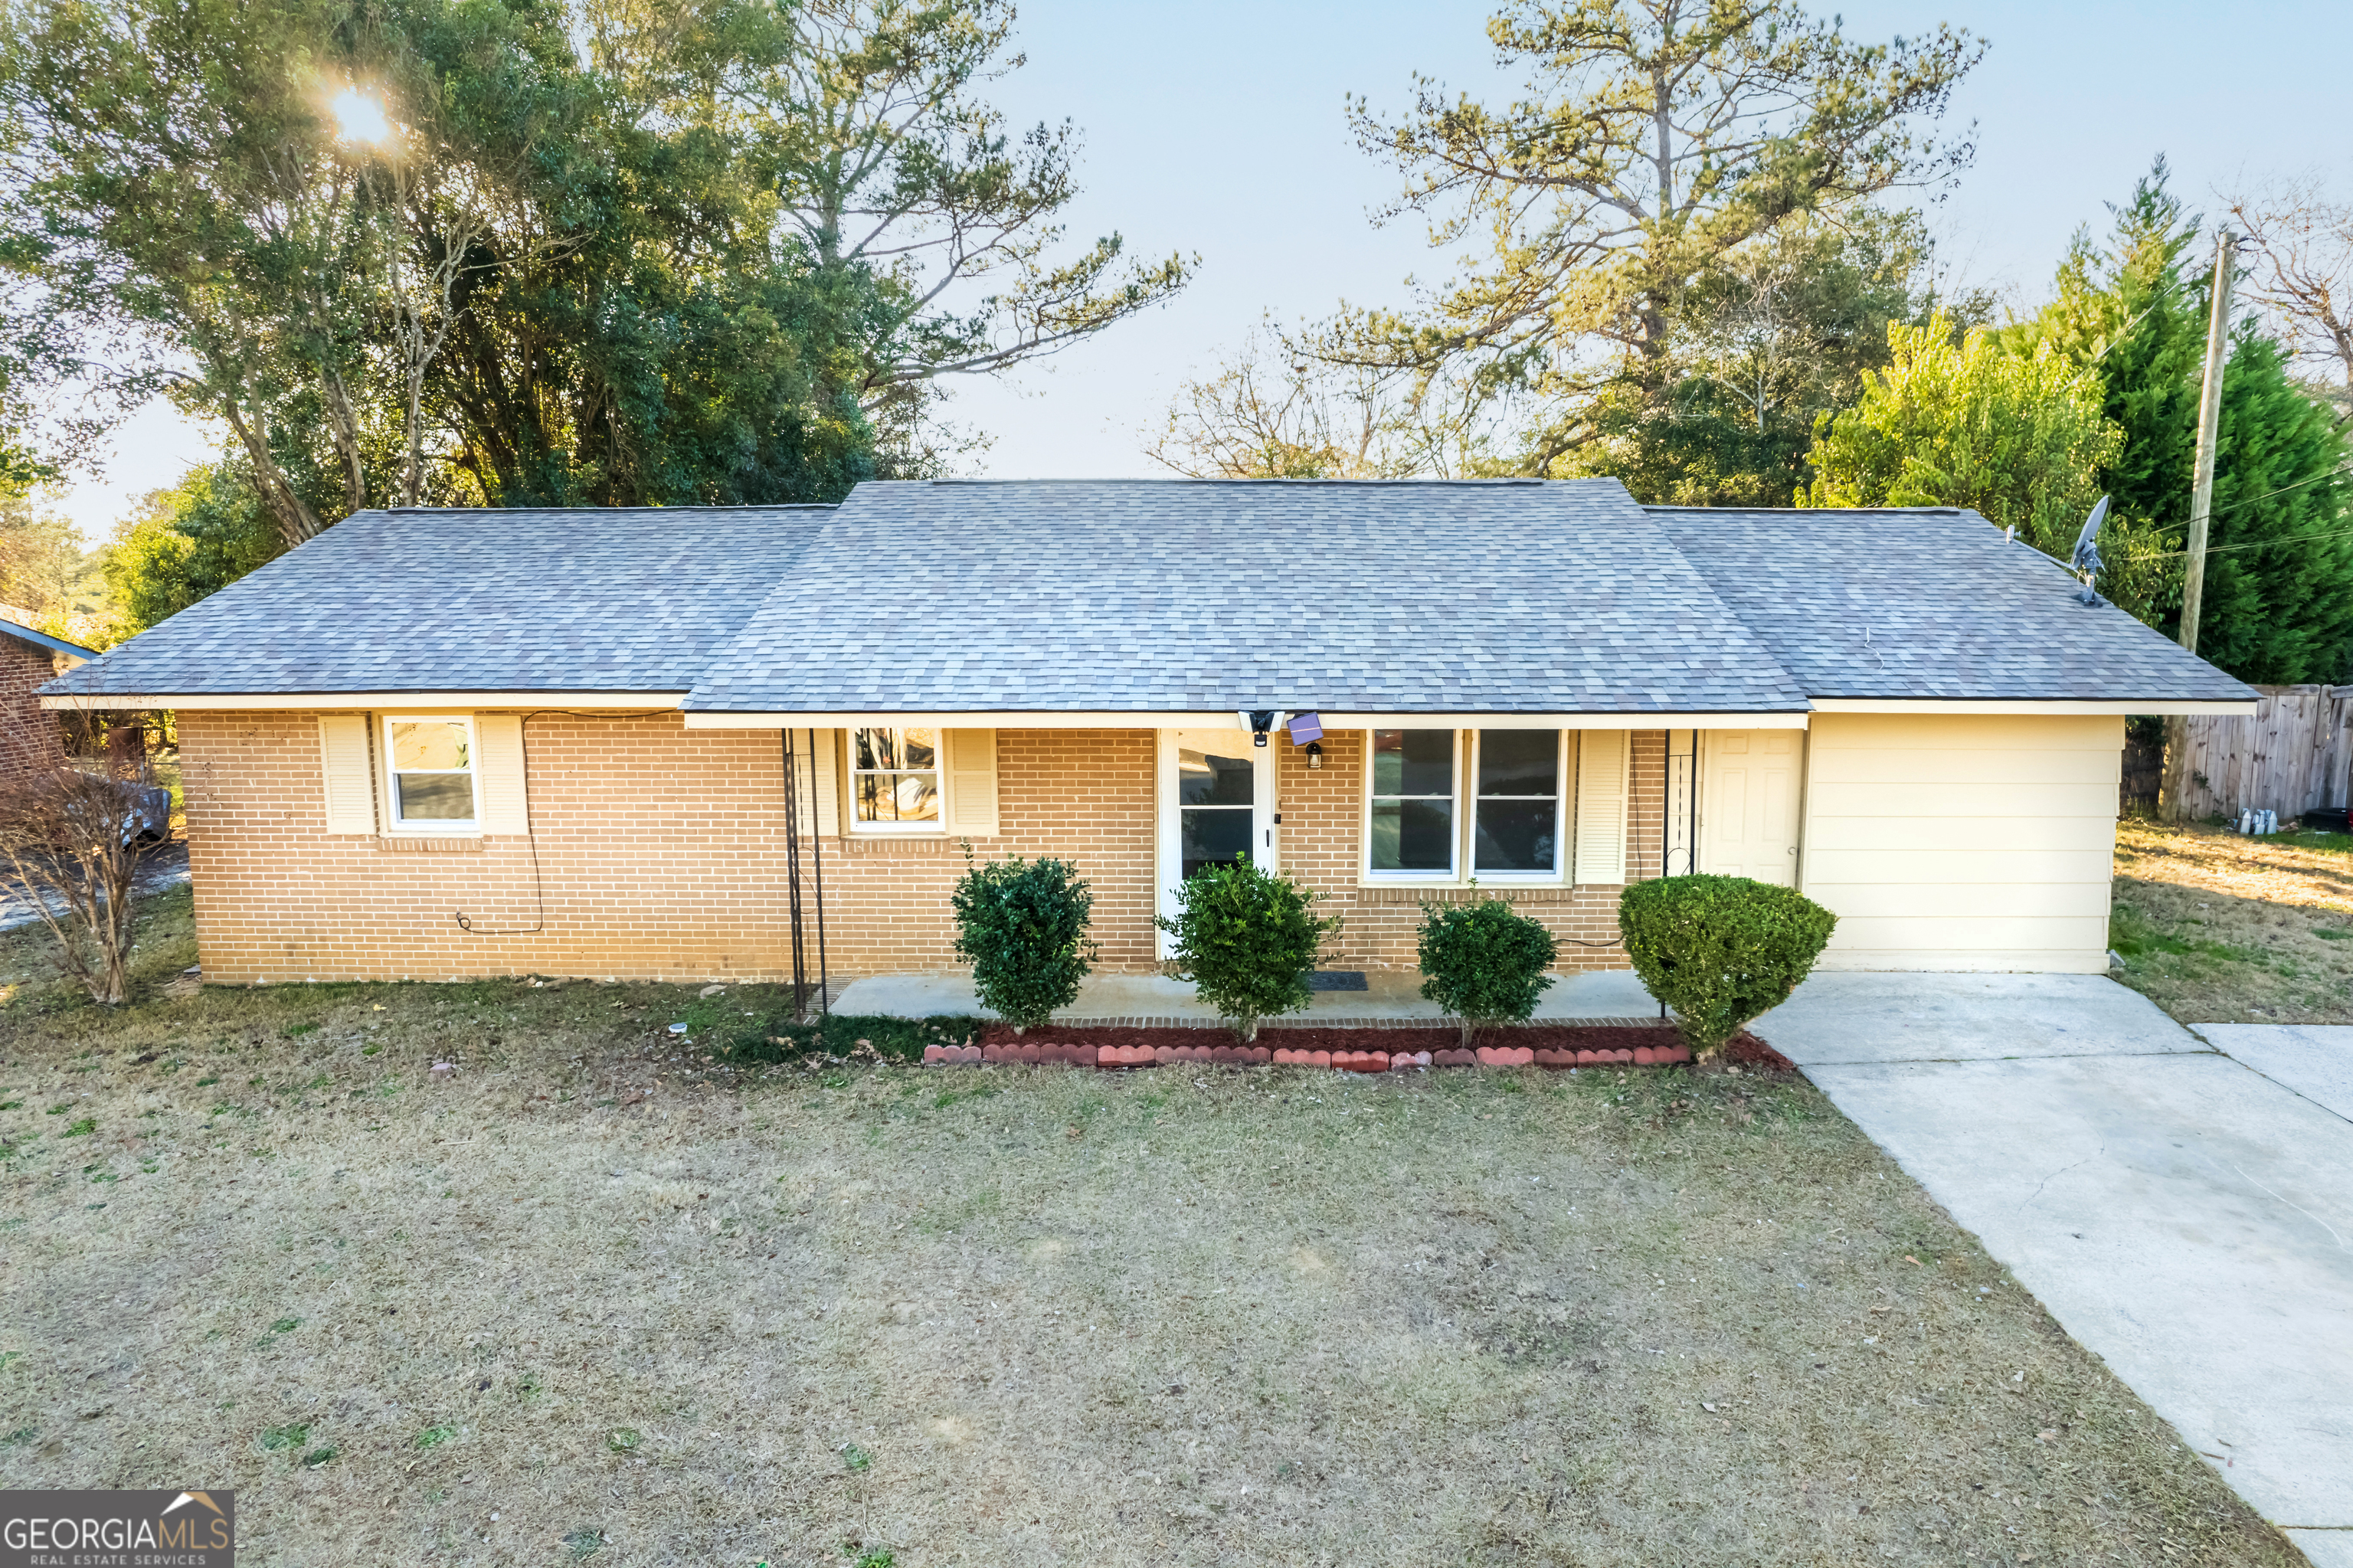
(2282, 490)
(2256, 544)
(2252, 500)
(2124, 331)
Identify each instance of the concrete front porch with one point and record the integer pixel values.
(1390, 995)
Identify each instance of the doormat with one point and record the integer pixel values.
(1336, 979)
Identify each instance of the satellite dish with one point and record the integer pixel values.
(2086, 559)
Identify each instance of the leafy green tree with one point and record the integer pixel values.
(189, 541)
(2135, 311)
(2278, 604)
(182, 189)
(2132, 312)
(1658, 141)
(1776, 334)
(889, 164)
(46, 577)
(2020, 438)
(607, 253)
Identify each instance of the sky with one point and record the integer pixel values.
(1217, 128)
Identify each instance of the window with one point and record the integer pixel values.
(1411, 825)
(894, 779)
(432, 763)
(1516, 826)
(1217, 799)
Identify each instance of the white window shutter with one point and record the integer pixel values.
(348, 773)
(499, 787)
(817, 779)
(972, 782)
(1601, 791)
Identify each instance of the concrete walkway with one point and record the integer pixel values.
(1390, 995)
(2185, 1212)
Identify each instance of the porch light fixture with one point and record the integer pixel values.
(1315, 754)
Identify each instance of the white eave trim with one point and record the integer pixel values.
(347, 702)
(2025, 705)
(1332, 719)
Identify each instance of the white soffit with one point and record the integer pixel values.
(2023, 706)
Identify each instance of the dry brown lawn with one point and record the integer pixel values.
(2219, 928)
(585, 1297)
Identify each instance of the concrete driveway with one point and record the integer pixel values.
(2183, 1206)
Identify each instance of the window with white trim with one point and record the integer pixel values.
(894, 779)
(1515, 822)
(1410, 823)
(430, 767)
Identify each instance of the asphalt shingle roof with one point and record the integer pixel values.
(625, 599)
(1144, 596)
(1158, 596)
(1928, 603)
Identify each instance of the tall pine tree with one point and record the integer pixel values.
(2279, 578)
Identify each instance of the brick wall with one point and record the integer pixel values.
(29, 734)
(1084, 796)
(658, 855)
(1323, 813)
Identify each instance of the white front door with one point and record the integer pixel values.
(1216, 802)
(1748, 810)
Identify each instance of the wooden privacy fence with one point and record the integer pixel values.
(2294, 756)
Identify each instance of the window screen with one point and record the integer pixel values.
(1412, 813)
(1517, 824)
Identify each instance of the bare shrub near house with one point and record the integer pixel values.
(71, 841)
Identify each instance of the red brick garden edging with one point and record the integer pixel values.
(1554, 1046)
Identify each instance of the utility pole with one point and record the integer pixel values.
(2210, 422)
(2175, 776)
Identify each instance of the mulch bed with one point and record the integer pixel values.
(1553, 1046)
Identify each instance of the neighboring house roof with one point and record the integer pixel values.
(1181, 594)
(1929, 603)
(43, 640)
(625, 599)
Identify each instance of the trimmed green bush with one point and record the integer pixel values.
(1720, 949)
(1484, 962)
(1247, 941)
(1023, 924)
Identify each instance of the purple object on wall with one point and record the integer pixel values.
(1305, 728)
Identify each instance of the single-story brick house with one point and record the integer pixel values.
(29, 659)
(455, 743)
